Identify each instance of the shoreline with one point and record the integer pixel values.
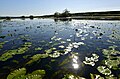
(68, 18)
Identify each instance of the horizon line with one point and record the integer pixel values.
(54, 12)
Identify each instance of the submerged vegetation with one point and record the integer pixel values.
(10, 53)
(44, 49)
(21, 74)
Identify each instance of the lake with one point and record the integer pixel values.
(50, 49)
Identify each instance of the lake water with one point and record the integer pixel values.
(59, 49)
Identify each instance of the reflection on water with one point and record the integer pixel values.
(75, 63)
(62, 19)
(62, 49)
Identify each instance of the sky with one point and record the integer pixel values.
(46, 7)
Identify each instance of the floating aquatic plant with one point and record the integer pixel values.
(17, 73)
(77, 44)
(15, 61)
(37, 57)
(112, 60)
(111, 77)
(38, 74)
(38, 48)
(21, 74)
(68, 39)
(71, 76)
(95, 76)
(53, 37)
(61, 46)
(57, 39)
(112, 63)
(2, 43)
(10, 53)
(27, 44)
(104, 70)
(92, 60)
(63, 42)
(48, 50)
(55, 55)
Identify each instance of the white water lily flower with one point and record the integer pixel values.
(71, 35)
(58, 39)
(68, 39)
(92, 60)
(50, 42)
(76, 46)
(76, 66)
(78, 35)
(74, 60)
(63, 42)
(53, 37)
(70, 45)
(67, 50)
(80, 43)
(91, 37)
(82, 38)
(61, 46)
(54, 48)
(86, 34)
(56, 33)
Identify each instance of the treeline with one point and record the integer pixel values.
(20, 17)
(65, 13)
(106, 13)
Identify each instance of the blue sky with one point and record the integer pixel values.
(42, 7)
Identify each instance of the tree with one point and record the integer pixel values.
(8, 18)
(31, 16)
(66, 13)
(23, 17)
(56, 14)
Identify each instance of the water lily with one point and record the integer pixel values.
(104, 70)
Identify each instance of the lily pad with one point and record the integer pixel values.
(38, 48)
(7, 55)
(21, 74)
(33, 77)
(50, 50)
(112, 63)
(27, 44)
(112, 60)
(92, 60)
(104, 70)
(95, 76)
(37, 57)
(10, 53)
(16, 73)
(110, 51)
(2, 43)
(111, 77)
(71, 76)
(38, 72)
(61, 46)
(55, 55)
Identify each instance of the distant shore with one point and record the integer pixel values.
(109, 15)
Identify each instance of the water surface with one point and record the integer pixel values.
(64, 47)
